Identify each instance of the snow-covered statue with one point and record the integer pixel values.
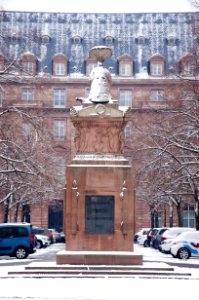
(101, 83)
(100, 77)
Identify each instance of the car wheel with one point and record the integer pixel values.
(146, 244)
(21, 253)
(39, 244)
(183, 253)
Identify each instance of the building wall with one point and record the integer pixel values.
(133, 37)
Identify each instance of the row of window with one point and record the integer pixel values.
(59, 130)
(171, 40)
(125, 68)
(28, 65)
(60, 96)
(188, 218)
(125, 97)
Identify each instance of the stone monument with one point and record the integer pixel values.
(99, 208)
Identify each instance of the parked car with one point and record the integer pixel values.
(43, 241)
(42, 236)
(150, 235)
(157, 237)
(169, 235)
(141, 232)
(40, 230)
(185, 245)
(17, 240)
(62, 236)
(143, 239)
(54, 235)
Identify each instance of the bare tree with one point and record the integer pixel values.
(29, 168)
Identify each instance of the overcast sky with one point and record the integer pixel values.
(97, 6)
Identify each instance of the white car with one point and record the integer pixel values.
(142, 240)
(43, 241)
(169, 235)
(165, 246)
(141, 232)
(185, 245)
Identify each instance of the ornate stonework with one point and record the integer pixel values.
(99, 136)
(99, 206)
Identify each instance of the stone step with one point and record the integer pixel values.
(96, 273)
(97, 268)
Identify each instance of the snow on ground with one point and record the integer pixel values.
(102, 288)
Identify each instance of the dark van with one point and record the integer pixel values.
(17, 239)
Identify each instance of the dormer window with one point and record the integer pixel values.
(76, 39)
(125, 66)
(109, 39)
(28, 67)
(45, 39)
(171, 40)
(15, 37)
(60, 65)
(28, 64)
(188, 65)
(59, 68)
(141, 39)
(125, 69)
(157, 66)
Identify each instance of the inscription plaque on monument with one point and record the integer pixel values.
(99, 214)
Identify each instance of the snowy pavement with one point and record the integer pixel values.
(103, 288)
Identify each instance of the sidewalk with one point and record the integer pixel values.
(97, 289)
(106, 288)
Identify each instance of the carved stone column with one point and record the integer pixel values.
(99, 203)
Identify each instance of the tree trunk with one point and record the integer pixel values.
(16, 212)
(152, 217)
(196, 196)
(171, 215)
(6, 211)
(165, 217)
(179, 214)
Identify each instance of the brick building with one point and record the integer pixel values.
(49, 52)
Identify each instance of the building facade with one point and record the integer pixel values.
(45, 66)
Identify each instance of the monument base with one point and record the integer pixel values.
(98, 258)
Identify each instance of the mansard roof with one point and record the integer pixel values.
(92, 28)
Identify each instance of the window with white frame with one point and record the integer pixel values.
(60, 65)
(189, 217)
(125, 98)
(125, 69)
(59, 97)
(59, 129)
(188, 69)
(28, 67)
(27, 131)
(157, 95)
(27, 94)
(157, 68)
(128, 130)
(60, 164)
(188, 98)
(59, 68)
